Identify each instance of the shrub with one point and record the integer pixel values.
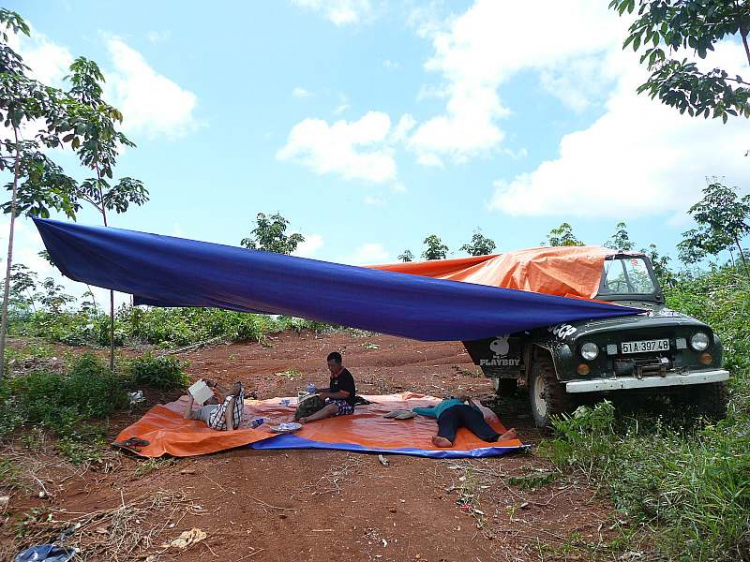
(60, 402)
(165, 373)
(164, 327)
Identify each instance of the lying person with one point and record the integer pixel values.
(453, 413)
(339, 396)
(224, 416)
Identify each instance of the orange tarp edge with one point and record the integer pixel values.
(168, 433)
(572, 271)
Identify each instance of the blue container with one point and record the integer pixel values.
(310, 388)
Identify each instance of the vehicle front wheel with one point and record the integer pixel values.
(547, 396)
(710, 400)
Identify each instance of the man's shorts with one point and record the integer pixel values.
(203, 413)
(345, 408)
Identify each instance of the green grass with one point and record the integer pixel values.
(688, 487)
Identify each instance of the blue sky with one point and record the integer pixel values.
(370, 125)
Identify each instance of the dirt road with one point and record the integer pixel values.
(316, 505)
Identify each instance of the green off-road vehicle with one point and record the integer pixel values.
(661, 351)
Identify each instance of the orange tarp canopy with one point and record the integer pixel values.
(568, 271)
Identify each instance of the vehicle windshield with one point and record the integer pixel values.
(627, 275)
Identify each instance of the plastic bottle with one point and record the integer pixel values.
(310, 388)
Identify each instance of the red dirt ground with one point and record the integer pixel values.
(316, 505)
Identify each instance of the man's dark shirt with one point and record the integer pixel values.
(345, 381)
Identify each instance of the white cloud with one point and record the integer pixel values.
(49, 62)
(340, 12)
(404, 126)
(578, 84)
(428, 18)
(159, 36)
(391, 65)
(640, 158)
(151, 103)
(354, 150)
(341, 109)
(374, 201)
(300, 93)
(310, 247)
(487, 45)
(367, 254)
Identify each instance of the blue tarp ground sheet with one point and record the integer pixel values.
(293, 442)
(167, 271)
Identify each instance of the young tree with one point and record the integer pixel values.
(479, 245)
(563, 236)
(23, 286)
(37, 183)
(435, 250)
(407, 256)
(723, 221)
(664, 27)
(269, 235)
(98, 143)
(620, 240)
(660, 264)
(53, 299)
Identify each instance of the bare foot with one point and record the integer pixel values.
(508, 435)
(442, 442)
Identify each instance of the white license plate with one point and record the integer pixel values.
(645, 346)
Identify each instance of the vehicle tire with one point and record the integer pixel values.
(710, 400)
(547, 396)
(504, 387)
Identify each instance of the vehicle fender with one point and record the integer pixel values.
(562, 355)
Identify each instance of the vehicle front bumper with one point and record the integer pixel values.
(653, 381)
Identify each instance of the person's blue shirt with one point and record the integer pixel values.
(435, 411)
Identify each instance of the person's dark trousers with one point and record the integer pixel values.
(465, 416)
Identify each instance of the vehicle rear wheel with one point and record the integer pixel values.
(505, 387)
(547, 396)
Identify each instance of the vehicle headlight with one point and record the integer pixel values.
(699, 341)
(590, 351)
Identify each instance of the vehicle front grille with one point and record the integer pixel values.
(640, 366)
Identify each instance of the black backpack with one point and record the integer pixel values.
(309, 406)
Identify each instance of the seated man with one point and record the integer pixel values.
(339, 396)
(453, 413)
(225, 416)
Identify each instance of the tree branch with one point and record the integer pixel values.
(743, 33)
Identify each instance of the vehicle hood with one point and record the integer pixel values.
(655, 316)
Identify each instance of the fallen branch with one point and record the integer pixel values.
(193, 346)
(269, 506)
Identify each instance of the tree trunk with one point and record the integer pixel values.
(93, 298)
(742, 256)
(111, 292)
(743, 34)
(9, 263)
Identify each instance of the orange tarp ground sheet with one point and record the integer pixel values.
(167, 432)
(568, 271)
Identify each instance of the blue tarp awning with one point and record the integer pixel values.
(167, 271)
